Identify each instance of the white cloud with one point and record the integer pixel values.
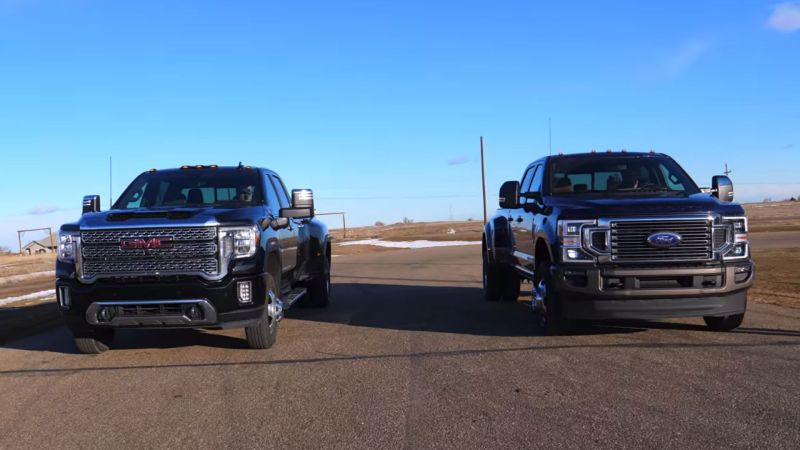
(687, 54)
(785, 17)
(44, 209)
(458, 160)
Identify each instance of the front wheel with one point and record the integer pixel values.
(95, 343)
(550, 305)
(264, 334)
(725, 323)
(499, 283)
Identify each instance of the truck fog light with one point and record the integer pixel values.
(742, 273)
(194, 313)
(105, 314)
(576, 255)
(244, 291)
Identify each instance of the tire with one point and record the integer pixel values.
(552, 316)
(725, 323)
(264, 334)
(500, 284)
(95, 343)
(319, 288)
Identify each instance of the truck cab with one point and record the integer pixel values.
(619, 236)
(193, 247)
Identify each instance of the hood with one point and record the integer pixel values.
(145, 218)
(586, 206)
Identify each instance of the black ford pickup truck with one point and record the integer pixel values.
(619, 236)
(195, 247)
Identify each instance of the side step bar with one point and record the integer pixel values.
(293, 296)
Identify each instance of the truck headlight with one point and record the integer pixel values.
(67, 245)
(570, 236)
(569, 232)
(239, 242)
(741, 242)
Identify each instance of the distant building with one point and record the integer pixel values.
(39, 247)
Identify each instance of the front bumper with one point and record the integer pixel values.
(653, 292)
(161, 303)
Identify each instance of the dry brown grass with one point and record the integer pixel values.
(431, 231)
(22, 264)
(776, 278)
(778, 216)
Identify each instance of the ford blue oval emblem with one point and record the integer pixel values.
(664, 239)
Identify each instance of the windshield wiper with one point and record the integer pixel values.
(650, 189)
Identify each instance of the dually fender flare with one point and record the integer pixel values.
(497, 234)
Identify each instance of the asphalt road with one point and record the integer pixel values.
(409, 355)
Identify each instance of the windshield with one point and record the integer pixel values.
(618, 176)
(225, 188)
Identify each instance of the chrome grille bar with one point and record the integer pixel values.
(629, 240)
(191, 251)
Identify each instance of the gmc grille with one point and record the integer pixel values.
(629, 240)
(191, 251)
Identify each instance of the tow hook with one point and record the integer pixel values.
(275, 307)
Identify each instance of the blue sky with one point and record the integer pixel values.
(378, 106)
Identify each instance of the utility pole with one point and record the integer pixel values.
(483, 180)
(727, 171)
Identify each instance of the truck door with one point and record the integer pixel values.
(534, 219)
(522, 223)
(287, 237)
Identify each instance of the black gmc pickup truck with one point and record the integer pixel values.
(195, 247)
(619, 236)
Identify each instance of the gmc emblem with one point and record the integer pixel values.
(145, 244)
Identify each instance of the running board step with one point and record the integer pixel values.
(293, 296)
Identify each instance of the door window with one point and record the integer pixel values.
(536, 183)
(272, 198)
(281, 189)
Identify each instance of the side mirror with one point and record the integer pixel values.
(302, 205)
(509, 195)
(91, 203)
(722, 188)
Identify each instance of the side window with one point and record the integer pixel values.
(536, 183)
(273, 203)
(526, 180)
(281, 189)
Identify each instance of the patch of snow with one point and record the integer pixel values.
(451, 231)
(31, 296)
(14, 278)
(410, 244)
